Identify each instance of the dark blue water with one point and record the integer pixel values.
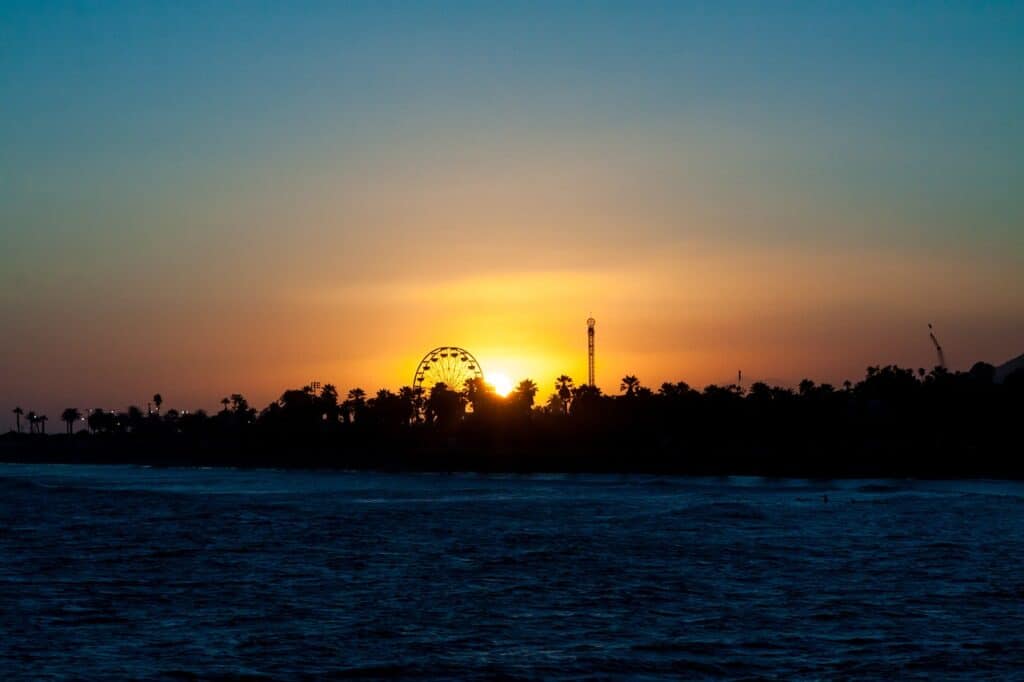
(119, 572)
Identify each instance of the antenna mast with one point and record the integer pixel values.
(938, 348)
(590, 350)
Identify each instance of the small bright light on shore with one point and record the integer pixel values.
(501, 384)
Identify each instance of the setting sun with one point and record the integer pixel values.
(501, 384)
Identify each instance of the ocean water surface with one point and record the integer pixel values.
(131, 572)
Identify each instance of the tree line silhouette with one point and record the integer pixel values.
(895, 421)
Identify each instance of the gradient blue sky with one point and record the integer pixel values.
(204, 198)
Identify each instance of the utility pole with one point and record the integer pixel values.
(590, 350)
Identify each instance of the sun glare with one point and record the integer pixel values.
(501, 384)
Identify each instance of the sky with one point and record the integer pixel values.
(200, 199)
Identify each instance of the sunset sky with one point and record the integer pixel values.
(208, 198)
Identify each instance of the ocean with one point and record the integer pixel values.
(110, 572)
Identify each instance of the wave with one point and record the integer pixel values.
(721, 510)
(880, 488)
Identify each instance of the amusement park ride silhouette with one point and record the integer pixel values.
(453, 366)
(448, 365)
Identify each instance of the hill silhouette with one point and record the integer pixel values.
(1007, 368)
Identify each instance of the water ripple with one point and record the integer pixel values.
(121, 572)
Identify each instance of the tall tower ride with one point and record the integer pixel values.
(590, 350)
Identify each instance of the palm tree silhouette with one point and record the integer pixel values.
(564, 386)
(32, 419)
(158, 400)
(328, 391)
(412, 403)
(17, 417)
(69, 417)
(328, 402)
(630, 385)
(225, 402)
(444, 406)
(525, 392)
(42, 422)
(354, 405)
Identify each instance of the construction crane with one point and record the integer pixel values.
(938, 348)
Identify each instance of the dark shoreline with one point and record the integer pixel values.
(893, 460)
(895, 423)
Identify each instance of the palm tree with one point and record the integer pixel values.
(225, 402)
(69, 417)
(412, 403)
(564, 386)
(354, 405)
(445, 407)
(525, 392)
(158, 400)
(329, 392)
(42, 422)
(328, 402)
(32, 419)
(17, 416)
(630, 385)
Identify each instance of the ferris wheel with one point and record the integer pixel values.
(448, 365)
